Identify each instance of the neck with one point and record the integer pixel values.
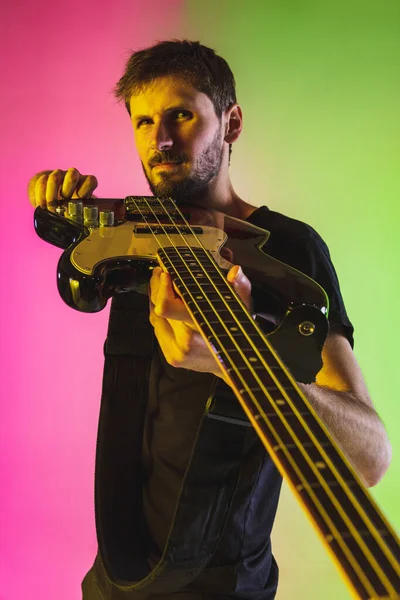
(222, 197)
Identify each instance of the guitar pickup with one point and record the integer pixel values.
(144, 228)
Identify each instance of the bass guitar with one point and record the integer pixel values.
(110, 247)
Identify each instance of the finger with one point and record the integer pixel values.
(154, 284)
(183, 347)
(178, 342)
(32, 187)
(167, 304)
(86, 186)
(164, 334)
(40, 190)
(70, 183)
(170, 306)
(54, 183)
(240, 284)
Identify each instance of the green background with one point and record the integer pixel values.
(318, 83)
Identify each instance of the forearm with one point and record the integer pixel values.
(356, 427)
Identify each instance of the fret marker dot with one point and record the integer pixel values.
(253, 359)
(320, 465)
(329, 538)
(280, 402)
(199, 297)
(233, 328)
(228, 297)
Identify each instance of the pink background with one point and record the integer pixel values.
(321, 131)
(60, 62)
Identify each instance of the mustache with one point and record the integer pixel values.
(166, 157)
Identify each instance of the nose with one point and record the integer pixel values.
(161, 137)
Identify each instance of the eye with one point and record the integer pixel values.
(143, 122)
(182, 114)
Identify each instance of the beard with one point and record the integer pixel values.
(194, 186)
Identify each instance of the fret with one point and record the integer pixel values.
(258, 390)
(233, 334)
(342, 510)
(288, 424)
(316, 485)
(229, 320)
(193, 259)
(364, 550)
(361, 582)
(256, 366)
(310, 479)
(219, 307)
(239, 336)
(218, 310)
(204, 286)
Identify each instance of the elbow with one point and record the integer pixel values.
(374, 472)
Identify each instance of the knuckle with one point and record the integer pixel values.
(172, 361)
(42, 180)
(243, 289)
(161, 308)
(186, 344)
(92, 180)
(176, 361)
(55, 176)
(73, 174)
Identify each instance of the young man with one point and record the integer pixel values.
(182, 103)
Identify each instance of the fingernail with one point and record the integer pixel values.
(239, 274)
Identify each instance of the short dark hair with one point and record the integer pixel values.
(196, 64)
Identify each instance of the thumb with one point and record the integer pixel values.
(240, 284)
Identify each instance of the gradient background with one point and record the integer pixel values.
(318, 83)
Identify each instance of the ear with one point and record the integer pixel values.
(233, 124)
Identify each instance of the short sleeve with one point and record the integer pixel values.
(320, 268)
(300, 246)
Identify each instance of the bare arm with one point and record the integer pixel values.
(341, 399)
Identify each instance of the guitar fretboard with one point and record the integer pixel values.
(349, 522)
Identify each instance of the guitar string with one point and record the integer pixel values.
(350, 527)
(321, 510)
(356, 536)
(292, 381)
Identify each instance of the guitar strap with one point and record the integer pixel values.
(121, 569)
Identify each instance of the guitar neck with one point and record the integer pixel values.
(350, 524)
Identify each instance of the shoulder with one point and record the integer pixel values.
(282, 225)
(291, 240)
(299, 245)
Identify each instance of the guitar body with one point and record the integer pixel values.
(100, 262)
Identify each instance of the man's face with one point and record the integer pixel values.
(179, 138)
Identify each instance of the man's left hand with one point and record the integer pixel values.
(176, 331)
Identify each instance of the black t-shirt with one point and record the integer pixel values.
(176, 403)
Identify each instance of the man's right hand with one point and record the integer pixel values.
(47, 186)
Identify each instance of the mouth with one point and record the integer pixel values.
(168, 165)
